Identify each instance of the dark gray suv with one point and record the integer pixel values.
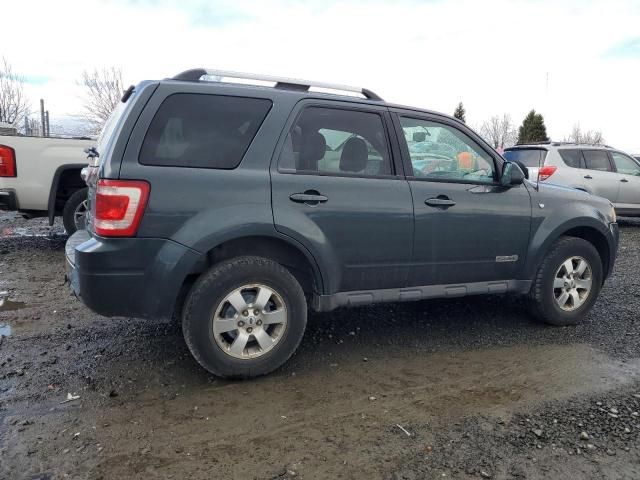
(238, 207)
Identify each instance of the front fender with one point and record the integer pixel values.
(546, 229)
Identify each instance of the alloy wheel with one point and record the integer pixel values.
(572, 283)
(250, 321)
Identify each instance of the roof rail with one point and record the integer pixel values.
(557, 144)
(196, 74)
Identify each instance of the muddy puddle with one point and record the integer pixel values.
(453, 383)
(5, 330)
(325, 407)
(9, 305)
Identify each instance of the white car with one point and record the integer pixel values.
(40, 176)
(598, 169)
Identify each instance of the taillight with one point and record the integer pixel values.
(545, 172)
(118, 207)
(7, 161)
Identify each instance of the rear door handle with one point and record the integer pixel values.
(440, 202)
(310, 197)
(624, 180)
(588, 177)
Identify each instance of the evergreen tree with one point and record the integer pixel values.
(460, 113)
(532, 129)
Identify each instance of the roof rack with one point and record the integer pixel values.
(196, 74)
(557, 144)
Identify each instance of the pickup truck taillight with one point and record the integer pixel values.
(545, 172)
(118, 207)
(7, 161)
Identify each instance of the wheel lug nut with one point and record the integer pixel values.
(245, 313)
(241, 323)
(259, 322)
(256, 312)
(249, 329)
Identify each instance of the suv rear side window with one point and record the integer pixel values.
(572, 157)
(529, 157)
(203, 131)
(597, 160)
(334, 141)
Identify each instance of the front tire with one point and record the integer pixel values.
(567, 283)
(74, 214)
(244, 317)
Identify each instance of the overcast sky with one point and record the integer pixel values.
(574, 61)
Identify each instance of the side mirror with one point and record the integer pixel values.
(419, 136)
(511, 175)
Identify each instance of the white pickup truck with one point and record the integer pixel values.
(40, 176)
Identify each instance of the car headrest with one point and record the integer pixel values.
(354, 155)
(312, 149)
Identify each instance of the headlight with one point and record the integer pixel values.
(613, 214)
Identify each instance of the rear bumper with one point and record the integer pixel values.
(133, 277)
(8, 200)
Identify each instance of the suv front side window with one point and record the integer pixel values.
(440, 152)
(333, 141)
(597, 160)
(625, 164)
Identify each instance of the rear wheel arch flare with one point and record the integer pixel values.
(293, 257)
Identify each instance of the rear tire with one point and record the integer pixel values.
(567, 283)
(244, 317)
(73, 214)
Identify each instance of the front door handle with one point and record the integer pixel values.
(310, 197)
(588, 177)
(442, 202)
(624, 180)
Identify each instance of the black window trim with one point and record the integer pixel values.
(498, 162)
(244, 154)
(303, 104)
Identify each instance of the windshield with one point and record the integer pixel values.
(529, 157)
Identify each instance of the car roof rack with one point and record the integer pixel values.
(558, 144)
(196, 74)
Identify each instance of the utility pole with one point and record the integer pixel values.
(42, 121)
(46, 121)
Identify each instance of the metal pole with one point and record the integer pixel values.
(46, 119)
(42, 117)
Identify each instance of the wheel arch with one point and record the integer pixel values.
(587, 228)
(288, 253)
(60, 180)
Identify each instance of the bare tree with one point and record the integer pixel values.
(102, 92)
(593, 137)
(499, 131)
(13, 101)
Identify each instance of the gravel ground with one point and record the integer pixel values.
(466, 388)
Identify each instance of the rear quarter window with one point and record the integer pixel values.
(203, 131)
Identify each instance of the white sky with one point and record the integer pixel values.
(494, 55)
